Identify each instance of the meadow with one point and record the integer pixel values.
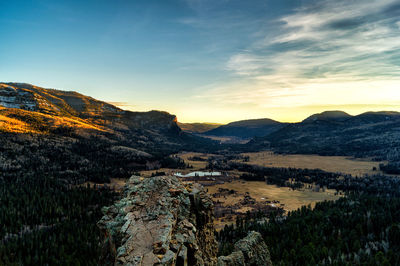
(288, 199)
(342, 164)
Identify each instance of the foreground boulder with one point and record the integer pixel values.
(161, 221)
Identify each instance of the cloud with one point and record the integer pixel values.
(343, 52)
(246, 64)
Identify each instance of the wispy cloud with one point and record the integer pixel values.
(343, 51)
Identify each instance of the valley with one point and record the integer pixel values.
(61, 149)
(230, 203)
(342, 164)
(200, 133)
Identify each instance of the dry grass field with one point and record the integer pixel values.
(290, 199)
(356, 167)
(197, 165)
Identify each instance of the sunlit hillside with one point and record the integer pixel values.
(22, 121)
(26, 108)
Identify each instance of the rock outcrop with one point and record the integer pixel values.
(249, 251)
(161, 221)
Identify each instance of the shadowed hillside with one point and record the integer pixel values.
(246, 129)
(371, 134)
(328, 116)
(197, 127)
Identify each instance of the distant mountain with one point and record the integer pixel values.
(376, 117)
(246, 129)
(371, 134)
(67, 134)
(328, 116)
(197, 127)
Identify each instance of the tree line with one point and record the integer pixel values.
(359, 229)
(43, 221)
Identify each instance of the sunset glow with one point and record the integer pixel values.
(210, 61)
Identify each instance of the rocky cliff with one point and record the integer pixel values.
(56, 108)
(249, 251)
(161, 221)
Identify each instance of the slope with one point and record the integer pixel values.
(246, 129)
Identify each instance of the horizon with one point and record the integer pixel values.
(215, 61)
(218, 122)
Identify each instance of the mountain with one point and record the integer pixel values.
(246, 129)
(77, 138)
(377, 117)
(197, 127)
(371, 134)
(37, 110)
(328, 116)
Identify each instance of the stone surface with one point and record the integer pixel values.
(251, 250)
(161, 221)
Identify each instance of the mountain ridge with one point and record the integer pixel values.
(198, 127)
(57, 130)
(246, 129)
(328, 115)
(370, 134)
(67, 105)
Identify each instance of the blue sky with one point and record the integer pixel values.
(210, 60)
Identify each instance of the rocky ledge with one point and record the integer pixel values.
(251, 250)
(161, 221)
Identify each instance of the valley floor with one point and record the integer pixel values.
(264, 194)
(257, 195)
(342, 164)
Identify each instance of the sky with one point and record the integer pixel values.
(210, 60)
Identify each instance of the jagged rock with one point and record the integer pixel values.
(235, 258)
(161, 221)
(249, 251)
